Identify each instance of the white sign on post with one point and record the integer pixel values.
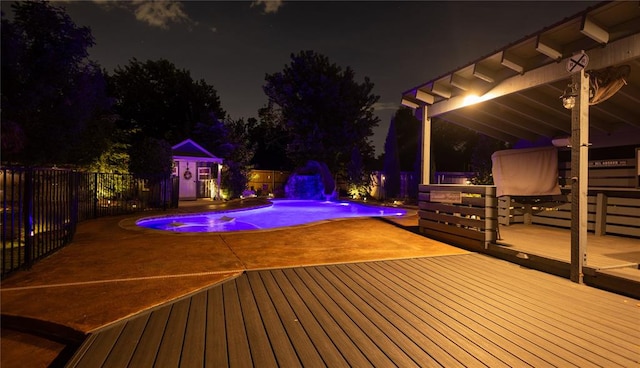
(577, 62)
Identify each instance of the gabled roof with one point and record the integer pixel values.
(517, 88)
(189, 149)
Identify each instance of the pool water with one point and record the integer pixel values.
(282, 213)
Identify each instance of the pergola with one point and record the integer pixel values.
(513, 94)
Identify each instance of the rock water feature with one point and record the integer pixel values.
(312, 181)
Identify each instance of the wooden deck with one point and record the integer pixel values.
(612, 261)
(453, 311)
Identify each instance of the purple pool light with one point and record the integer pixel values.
(281, 214)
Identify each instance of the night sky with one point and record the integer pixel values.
(232, 45)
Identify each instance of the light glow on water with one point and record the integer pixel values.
(282, 213)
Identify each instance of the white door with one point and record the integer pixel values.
(187, 174)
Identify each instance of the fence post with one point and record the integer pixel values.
(27, 211)
(95, 195)
(601, 214)
(74, 191)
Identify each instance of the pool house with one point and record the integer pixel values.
(568, 203)
(198, 171)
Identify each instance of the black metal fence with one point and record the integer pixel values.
(42, 207)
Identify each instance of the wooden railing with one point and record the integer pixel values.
(606, 214)
(459, 214)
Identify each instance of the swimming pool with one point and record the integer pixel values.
(282, 213)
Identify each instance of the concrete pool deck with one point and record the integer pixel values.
(112, 271)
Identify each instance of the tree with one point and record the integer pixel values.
(153, 158)
(391, 163)
(408, 130)
(156, 99)
(270, 139)
(481, 163)
(452, 146)
(326, 113)
(54, 102)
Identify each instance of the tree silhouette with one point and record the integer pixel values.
(391, 163)
(54, 103)
(325, 112)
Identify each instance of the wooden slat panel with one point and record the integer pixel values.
(473, 189)
(454, 230)
(624, 211)
(623, 230)
(631, 202)
(451, 219)
(612, 182)
(623, 220)
(623, 172)
(447, 208)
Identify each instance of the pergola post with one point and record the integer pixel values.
(426, 144)
(579, 175)
(219, 181)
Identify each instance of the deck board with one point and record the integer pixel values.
(149, 343)
(462, 310)
(282, 347)
(445, 318)
(577, 314)
(171, 345)
(256, 334)
(348, 338)
(193, 349)
(236, 335)
(215, 351)
(123, 351)
(437, 333)
(564, 337)
(454, 298)
(293, 319)
(385, 340)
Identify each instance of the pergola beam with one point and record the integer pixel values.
(441, 90)
(425, 97)
(548, 48)
(483, 128)
(460, 82)
(616, 52)
(484, 73)
(512, 62)
(594, 31)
